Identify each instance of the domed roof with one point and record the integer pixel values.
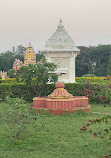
(60, 92)
(60, 39)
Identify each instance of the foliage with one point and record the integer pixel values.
(83, 65)
(109, 66)
(20, 50)
(41, 74)
(22, 91)
(93, 60)
(19, 56)
(8, 80)
(39, 56)
(97, 89)
(104, 80)
(102, 132)
(97, 93)
(93, 80)
(89, 75)
(6, 61)
(11, 73)
(7, 58)
(18, 117)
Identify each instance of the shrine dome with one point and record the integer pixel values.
(60, 39)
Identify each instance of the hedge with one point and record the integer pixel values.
(22, 91)
(8, 80)
(78, 80)
(92, 79)
(98, 93)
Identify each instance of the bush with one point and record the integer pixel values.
(11, 73)
(18, 117)
(89, 75)
(97, 93)
(91, 79)
(22, 91)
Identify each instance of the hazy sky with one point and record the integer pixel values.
(23, 21)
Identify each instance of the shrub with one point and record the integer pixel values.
(18, 117)
(97, 93)
(40, 73)
(100, 131)
(11, 73)
(22, 91)
(89, 75)
(94, 80)
(91, 79)
(8, 80)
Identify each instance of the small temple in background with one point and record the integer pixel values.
(17, 64)
(3, 75)
(30, 56)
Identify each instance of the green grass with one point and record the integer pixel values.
(56, 136)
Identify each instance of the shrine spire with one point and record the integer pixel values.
(60, 24)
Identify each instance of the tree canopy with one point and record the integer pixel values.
(39, 74)
(93, 60)
(109, 66)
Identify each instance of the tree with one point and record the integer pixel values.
(11, 73)
(6, 61)
(39, 56)
(19, 117)
(7, 58)
(37, 75)
(20, 50)
(20, 57)
(83, 64)
(109, 66)
(100, 55)
(93, 60)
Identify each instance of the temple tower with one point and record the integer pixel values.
(61, 50)
(30, 56)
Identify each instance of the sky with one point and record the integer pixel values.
(23, 21)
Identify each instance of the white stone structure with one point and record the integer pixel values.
(60, 49)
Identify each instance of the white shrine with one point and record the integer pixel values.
(60, 49)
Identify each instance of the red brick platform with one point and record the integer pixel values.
(61, 101)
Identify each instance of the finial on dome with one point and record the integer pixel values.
(60, 23)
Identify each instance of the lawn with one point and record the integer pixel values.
(56, 136)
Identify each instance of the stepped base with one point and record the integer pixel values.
(60, 112)
(59, 106)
